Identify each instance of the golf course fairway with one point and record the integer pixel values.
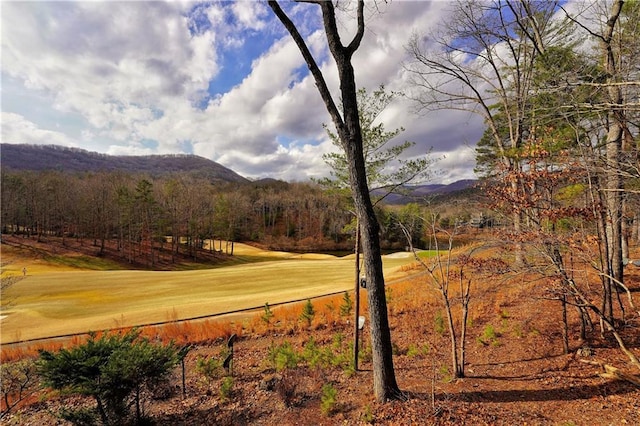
(53, 303)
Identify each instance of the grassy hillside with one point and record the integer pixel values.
(66, 293)
(516, 371)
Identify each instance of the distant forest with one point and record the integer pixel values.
(177, 202)
(180, 212)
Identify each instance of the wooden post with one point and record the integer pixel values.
(184, 383)
(182, 354)
(228, 362)
(356, 317)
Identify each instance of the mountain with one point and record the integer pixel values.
(423, 190)
(75, 160)
(53, 157)
(418, 193)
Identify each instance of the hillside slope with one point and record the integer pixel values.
(466, 188)
(53, 157)
(520, 376)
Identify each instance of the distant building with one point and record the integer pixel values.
(482, 221)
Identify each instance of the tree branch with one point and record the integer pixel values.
(308, 57)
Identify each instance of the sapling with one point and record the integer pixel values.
(307, 312)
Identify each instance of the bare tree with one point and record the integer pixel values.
(482, 60)
(617, 130)
(444, 271)
(347, 124)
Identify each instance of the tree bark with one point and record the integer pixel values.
(614, 184)
(457, 372)
(565, 324)
(348, 128)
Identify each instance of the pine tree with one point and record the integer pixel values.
(307, 312)
(347, 305)
(109, 369)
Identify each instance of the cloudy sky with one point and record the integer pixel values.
(222, 80)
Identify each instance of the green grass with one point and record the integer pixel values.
(489, 336)
(426, 254)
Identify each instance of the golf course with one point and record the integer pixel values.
(52, 300)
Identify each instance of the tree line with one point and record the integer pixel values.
(178, 213)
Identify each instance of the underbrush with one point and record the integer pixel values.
(290, 320)
(287, 363)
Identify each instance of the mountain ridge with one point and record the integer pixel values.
(56, 157)
(71, 159)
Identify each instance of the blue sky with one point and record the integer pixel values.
(222, 80)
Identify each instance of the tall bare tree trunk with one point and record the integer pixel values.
(349, 131)
(613, 184)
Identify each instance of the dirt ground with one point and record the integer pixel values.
(516, 375)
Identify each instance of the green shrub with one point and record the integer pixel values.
(347, 305)
(109, 369)
(307, 312)
(340, 353)
(349, 369)
(489, 333)
(517, 330)
(414, 350)
(210, 368)
(226, 387)
(283, 356)
(445, 375)
(79, 417)
(337, 341)
(328, 399)
(312, 354)
(367, 415)
(489, 336)
(341, 359)
(365, 354)
(267, 315)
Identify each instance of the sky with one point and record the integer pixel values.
(222, 80)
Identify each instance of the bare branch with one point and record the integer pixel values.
(309, 59)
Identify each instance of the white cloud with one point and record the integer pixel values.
(104, 59)
(16, 129)
(129, 150)
(138, 74)
(249, 15)
(456, 164)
